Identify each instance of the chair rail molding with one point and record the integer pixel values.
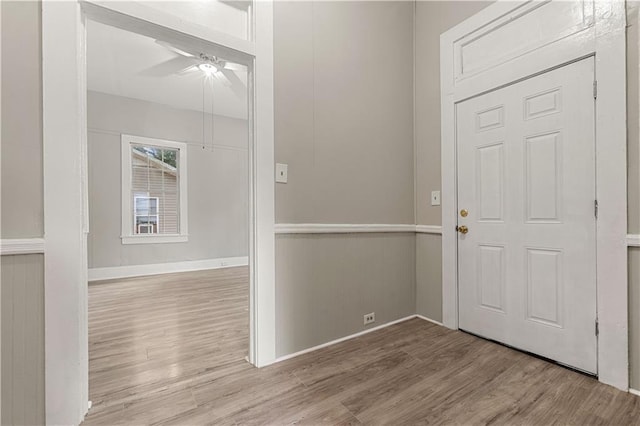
(14, 246)
(633, 240)
(429, 229)
(351, 228)
(340, 228)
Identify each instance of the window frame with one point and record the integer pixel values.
(127, 236)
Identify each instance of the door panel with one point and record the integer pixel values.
(526, 176)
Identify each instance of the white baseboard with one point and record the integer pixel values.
(109, 273)
(342, 339)
(429, 319)
(634, 391)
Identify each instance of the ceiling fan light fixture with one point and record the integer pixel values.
(208, 69)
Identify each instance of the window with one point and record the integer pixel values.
(145, 215)
(154, 188)
(154, 191)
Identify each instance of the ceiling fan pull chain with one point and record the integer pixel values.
(213, 117)
(203, 113)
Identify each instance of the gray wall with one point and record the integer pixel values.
(22, 199)
(327, 283)
(344, 124)
(344, 111)
(634, 317)
(633, 117)
(429, 276)
(217, 179)
(432, 19)
(22, 340)
(21, 277)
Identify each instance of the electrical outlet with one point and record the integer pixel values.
(370, 318)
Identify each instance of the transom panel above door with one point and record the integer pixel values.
(526, 182)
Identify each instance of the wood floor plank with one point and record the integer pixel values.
(158, 407)
(170, 350)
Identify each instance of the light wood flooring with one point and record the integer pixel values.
(170, 350)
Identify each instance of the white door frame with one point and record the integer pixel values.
(465, 73)
(65, 183)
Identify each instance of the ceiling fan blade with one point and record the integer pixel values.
(234, 67)
(172, 66)
(237, 86)
(175, 49)
(187, 70)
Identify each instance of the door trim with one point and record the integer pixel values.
(599, 32)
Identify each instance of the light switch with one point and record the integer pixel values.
(281, 173)
(435, 198)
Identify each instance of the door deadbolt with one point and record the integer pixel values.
(464, 213)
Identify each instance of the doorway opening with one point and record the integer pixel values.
(168, 154)
(64, 94)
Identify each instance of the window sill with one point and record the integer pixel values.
(154, 239)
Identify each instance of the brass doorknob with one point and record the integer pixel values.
(462, 229)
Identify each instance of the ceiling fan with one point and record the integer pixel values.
(189, 61)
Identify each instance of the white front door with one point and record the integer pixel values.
(526, 194)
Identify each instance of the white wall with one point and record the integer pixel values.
(217, 179)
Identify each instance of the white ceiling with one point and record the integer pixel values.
(122, 63)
